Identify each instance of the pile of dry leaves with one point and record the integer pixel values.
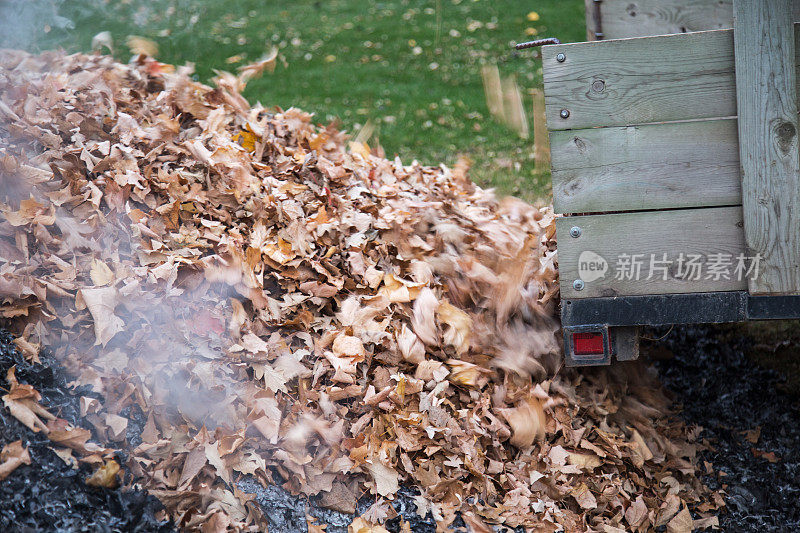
(276, 300)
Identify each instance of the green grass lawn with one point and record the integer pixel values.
(413, 67)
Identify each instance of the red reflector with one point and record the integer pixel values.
(587, 343)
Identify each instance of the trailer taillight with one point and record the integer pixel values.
(588, 343)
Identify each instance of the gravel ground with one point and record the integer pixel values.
(707, 369)
(725, 392)
(48, 495)
(287, 514)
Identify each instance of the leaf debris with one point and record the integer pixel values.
(286, 304)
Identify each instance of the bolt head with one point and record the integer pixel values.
(575, 232)
(561, 58)
(564, 113)
(598, 86)
(578, 284)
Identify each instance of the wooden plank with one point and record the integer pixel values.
(767, 102)
(622, 19)
(638, 81)
(639, 18)
(650, 234)
(591, 22)
(541, 139)
(655, 166)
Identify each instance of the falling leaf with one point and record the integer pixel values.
(105, 475)
(101, 275)
(459, 326)
(65, 454)
(639, 450)
(705, 523)
(139, 45)
(12, 456)
(681, 522)
(636, 512)
(769, 456)
(584, 497)
(410, 345)
(103, 39)
(117, 426)
(101, 302)
(29, 349)
(424, 318)
(359, 525)
(585, 461)
(385, 478)
(527, 421)
(340, 498)
(752, 435)
(257, 68)
(465, 374)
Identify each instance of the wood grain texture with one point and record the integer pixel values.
(638, 81)
(622, 19)
(655, 166)
(713, 230)
(541, 139)
(767, 102)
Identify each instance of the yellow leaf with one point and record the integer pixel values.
(681, 522)
(360, 148)
(140, 45)
(587, 461)
(533, 16)
(527, 421)
(460, 326)
(386, 479)
(246, 139)
(12, 456)
(359, 525)
(257, 68)
(105, 476)
(101, 302)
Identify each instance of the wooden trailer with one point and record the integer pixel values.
(675, 164)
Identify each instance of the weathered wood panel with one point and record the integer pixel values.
(643, 80)
(647, 235)
(638, 81)
(541, 139)
(767, 102)
(622, 19)
(655, 166)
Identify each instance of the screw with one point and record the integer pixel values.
(598, 86)
(575, 232)
(578, 284)
(561, 58)
(564, 113)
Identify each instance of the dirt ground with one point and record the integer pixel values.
(739, 383)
